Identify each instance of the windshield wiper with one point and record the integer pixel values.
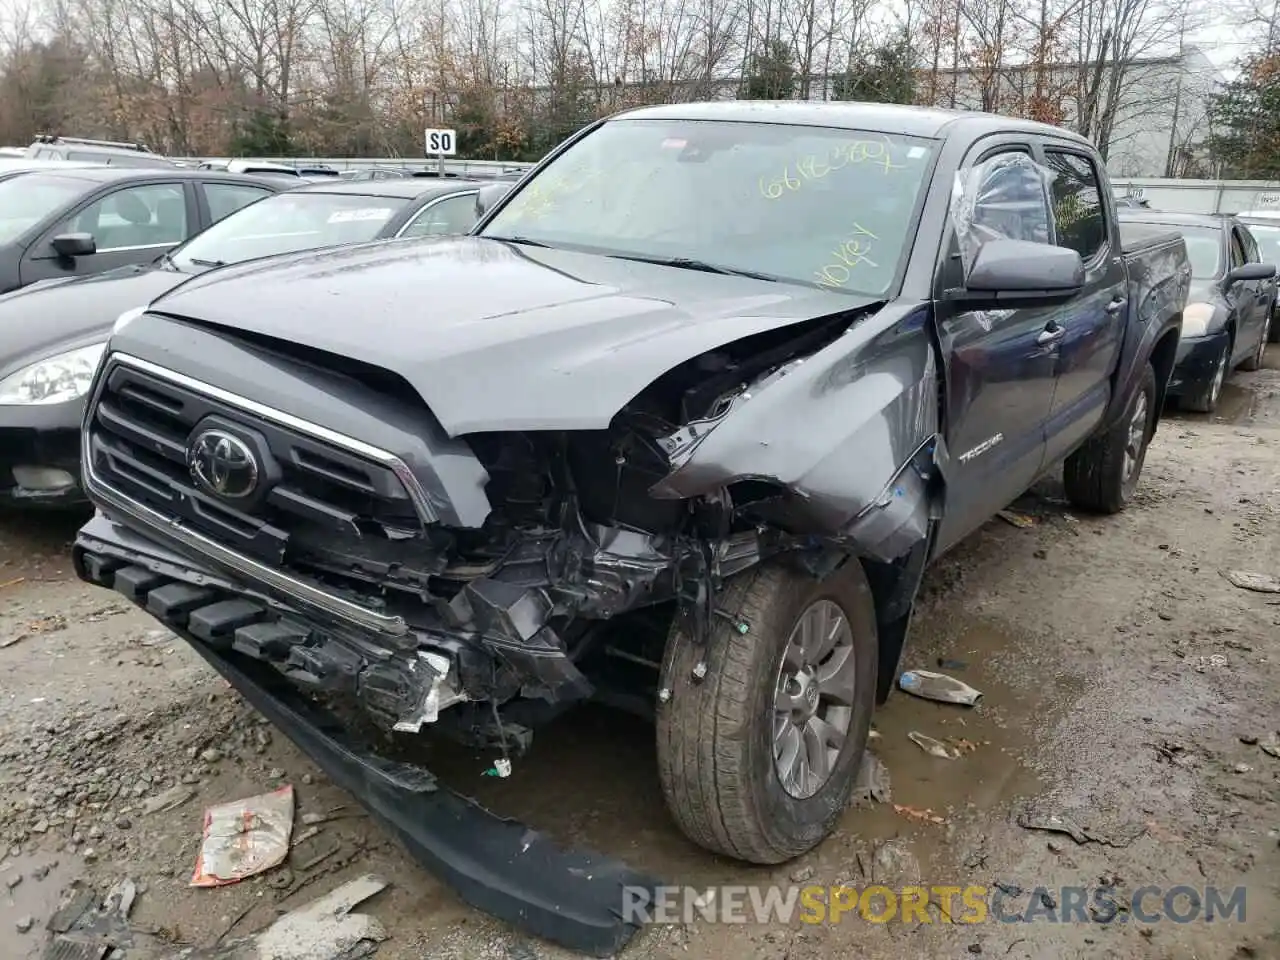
(524, 240)
(207, 263)
(686, 263)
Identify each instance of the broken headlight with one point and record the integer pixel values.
(1196, 318)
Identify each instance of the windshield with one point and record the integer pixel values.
(813, 205)
(1268, 242)
(288, 222)
(1204, 249)
(27, 199)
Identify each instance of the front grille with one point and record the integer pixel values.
(319, 509)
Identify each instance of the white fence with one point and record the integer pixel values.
(462, 168)
(1202, 196)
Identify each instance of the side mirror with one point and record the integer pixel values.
(76, 245)
(487, 197)
(1250, 271)
(1007, 273)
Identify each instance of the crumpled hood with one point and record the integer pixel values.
(43, 319)
(498, 336)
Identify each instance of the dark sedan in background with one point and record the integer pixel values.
(75, 222)
(1227, 319)
(52, 334)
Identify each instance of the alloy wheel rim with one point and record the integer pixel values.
(1219, 376)
(1137, 436)
(813, 699)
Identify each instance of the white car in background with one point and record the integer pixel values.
(1265, 227)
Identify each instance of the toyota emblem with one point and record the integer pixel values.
(223, 464)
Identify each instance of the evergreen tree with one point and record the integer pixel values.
(883, 74)
(773, 73)
(1244, 120)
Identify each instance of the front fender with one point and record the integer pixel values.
(836, 429)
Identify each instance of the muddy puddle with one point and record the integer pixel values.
(1237, 404)
(40, 882)
(1246, 397)
(607, 796)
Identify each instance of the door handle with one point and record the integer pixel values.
(1115, 305)
(1051, 333)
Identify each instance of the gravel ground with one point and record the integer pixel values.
(1126, 682)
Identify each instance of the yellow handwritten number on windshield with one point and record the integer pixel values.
(875, 152)
(847, 255)
(773, 190)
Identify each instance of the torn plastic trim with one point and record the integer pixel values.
(900, 516)
(499, 866)
(683, 443)
(402, 687)
(442, 693)
(1004, 197)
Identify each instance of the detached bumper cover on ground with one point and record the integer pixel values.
(499, 866)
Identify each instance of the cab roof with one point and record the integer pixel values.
(927, 122)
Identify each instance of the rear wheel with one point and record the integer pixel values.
(1102, 475)
(761, 731)
(1205, 400)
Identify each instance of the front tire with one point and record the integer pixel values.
(1205, 400)
(1102, 475)
(800, 680)
(1259, 354)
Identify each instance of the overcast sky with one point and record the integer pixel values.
(1221, 44)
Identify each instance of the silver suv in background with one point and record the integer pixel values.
(113, 153)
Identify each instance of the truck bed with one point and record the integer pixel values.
(1140, 237)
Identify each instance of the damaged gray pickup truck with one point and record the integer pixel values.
(677, 427)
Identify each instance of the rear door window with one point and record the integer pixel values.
(1238, 258)
(1250, 247)
(1078, 213)
(226, 198)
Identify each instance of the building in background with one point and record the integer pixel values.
(1156, 109)
(1153, 113)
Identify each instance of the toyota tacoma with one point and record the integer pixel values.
(678, 427)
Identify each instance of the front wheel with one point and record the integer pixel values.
(1102, 475)
(1259, 354)
(1205, 399)
(761, 730)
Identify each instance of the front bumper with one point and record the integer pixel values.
(45, 437)
(574, 898)
(1194, 363)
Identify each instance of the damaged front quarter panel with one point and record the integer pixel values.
(848, 435)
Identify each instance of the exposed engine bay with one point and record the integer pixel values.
(568, 588)
(577, 571)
